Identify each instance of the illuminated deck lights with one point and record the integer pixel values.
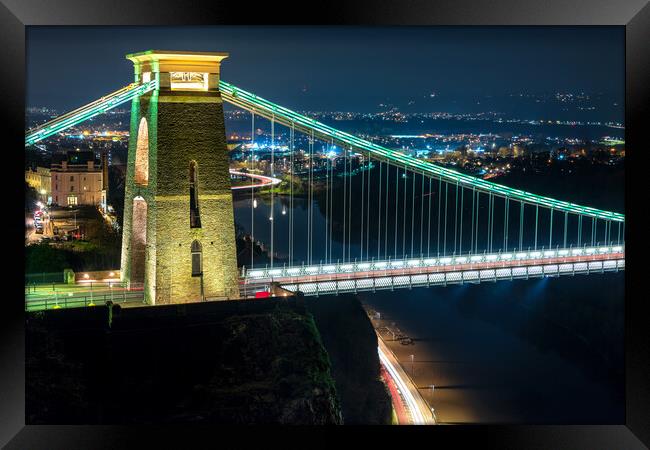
(361, 269)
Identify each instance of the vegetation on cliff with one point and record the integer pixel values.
(241, 362)
(351, 343)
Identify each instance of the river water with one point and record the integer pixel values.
(537, 351)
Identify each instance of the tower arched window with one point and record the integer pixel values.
(197, 263)
(142, 154)
(195, 216)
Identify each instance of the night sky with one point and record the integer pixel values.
(338, 68)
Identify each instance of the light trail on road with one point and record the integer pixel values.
(398, 406)
(416, 414)
(265, 181)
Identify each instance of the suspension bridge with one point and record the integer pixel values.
(340, 213)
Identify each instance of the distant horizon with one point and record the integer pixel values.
(351, 69)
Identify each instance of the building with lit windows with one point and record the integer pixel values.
(77, 179)
(41, 180)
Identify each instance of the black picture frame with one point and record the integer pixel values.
(634, 15)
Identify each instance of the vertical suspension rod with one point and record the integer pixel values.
(404, 217)
(381, 164)
(273, 175)
(252, 191)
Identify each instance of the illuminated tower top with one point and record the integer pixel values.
(179, 71)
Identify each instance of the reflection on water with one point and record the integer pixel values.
(262, 228)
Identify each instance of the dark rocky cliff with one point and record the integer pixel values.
(351, 343)
(236, 362)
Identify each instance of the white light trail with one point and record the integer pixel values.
(416, 414)
(265, 181)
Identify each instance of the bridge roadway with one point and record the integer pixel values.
(361, 276)
(407, 273)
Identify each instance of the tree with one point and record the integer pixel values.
(42, 258)
(31, 197)
(116, 179)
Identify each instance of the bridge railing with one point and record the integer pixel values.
(414, 263)
(459, 276)
(56, 285)
(45, 302)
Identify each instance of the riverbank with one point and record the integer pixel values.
(502, 353)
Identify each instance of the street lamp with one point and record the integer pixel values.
(412, 367)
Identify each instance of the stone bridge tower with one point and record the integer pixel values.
(178, 236)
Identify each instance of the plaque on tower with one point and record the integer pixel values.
(188, 81)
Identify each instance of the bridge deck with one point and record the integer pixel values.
(364, 276)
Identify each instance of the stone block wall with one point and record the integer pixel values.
(183, 127)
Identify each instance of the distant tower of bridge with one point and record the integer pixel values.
(178, 236)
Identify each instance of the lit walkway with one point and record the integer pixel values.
(408, 273)
(60, 295)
